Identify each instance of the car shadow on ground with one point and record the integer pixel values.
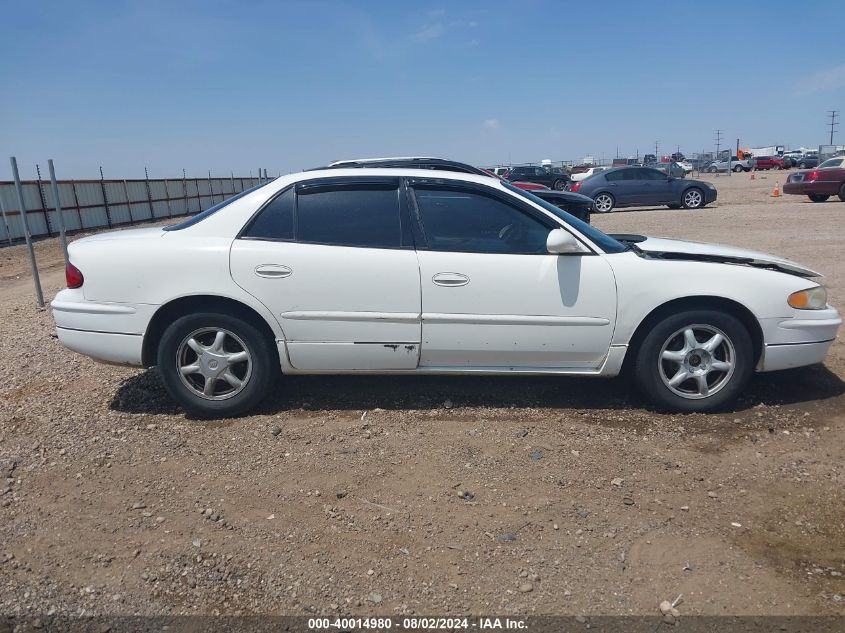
(144, 393)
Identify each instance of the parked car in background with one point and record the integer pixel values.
(826, 180)
(422, 272)
(686, 166)
(792, 157)
(734, 164)
(762, 163)
(671, 169)
(552, 178)
(644, 186)
(583, 175)
(808, 161)
(649, 159)
(577, 205)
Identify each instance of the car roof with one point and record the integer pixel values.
(402, 162)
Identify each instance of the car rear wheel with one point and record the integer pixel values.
(693, 198)
(695, 361)
(738, 168)
(559, 185)
(603, 203)
(842, 192)
(216, 365)
(817, 197)
(802, 165)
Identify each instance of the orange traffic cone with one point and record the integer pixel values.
(776, 192)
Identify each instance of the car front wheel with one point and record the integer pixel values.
(695, 361)
(737, 168)
(216, 365)
(692, 199)
(603, 203)
(817, 197)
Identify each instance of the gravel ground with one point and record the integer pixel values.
(373, 495)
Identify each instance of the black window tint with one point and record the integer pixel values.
(651, 174)
(463, 221)
(615, 175)
(366, 215)
(275, 221)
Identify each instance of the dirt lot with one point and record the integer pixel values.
(427, 495)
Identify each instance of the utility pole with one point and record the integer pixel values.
(718, 142)
(656, 145)
(833, 114)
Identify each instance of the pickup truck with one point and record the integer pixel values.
(734, 164)
(769, 162)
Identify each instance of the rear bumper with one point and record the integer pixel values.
(806, 188)
(109, 332)
(107, 347)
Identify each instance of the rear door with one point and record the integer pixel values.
(333, 259)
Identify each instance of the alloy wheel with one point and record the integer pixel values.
(214, 363)
(692, 199)
(697, 361)
(603, 203)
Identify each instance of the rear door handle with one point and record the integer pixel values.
(450, 280)
(273, 271)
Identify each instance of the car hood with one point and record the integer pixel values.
(662, 248)
(123, 234)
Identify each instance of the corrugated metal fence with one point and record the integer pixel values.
(92, 204)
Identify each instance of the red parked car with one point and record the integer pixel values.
(819, 184)
(769, 162)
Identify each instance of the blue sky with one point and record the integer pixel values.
(226, 85)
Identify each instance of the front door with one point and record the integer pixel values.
(334, 262)
(492, 295)
(654, 187)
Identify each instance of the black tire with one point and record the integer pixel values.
(842, 192)
(559, 185)
(689, 201)
(649, 368)
(256, 374)
(802, 165)
(817, 197)
(738, 168)
(604, 199)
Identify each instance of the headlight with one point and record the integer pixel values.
(810, 299)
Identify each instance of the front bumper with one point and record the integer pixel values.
(799, 341)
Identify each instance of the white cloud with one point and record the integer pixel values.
(429, 32)
(491, 124)
(822, 81)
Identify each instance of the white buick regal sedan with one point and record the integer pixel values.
(429, 272)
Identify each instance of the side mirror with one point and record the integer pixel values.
(561, 242)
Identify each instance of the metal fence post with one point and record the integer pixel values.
(128, 204)
(185, 193)
(59, 219)
(5, 222)
(39, 295)
(149, 194)
(105, 198)
(43, 201)
(210, 188)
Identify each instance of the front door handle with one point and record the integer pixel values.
(273, 271)
(450, 280)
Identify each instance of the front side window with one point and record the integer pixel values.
(360, 215)
(456, 220)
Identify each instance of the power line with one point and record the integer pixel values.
(833, 114)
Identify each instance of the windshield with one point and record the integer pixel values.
(199, 217)
(603, 241)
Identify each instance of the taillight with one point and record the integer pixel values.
(73, 276)
(813, 175)
(575, 186)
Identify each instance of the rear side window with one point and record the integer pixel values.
(275, 222)
(366, 215)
